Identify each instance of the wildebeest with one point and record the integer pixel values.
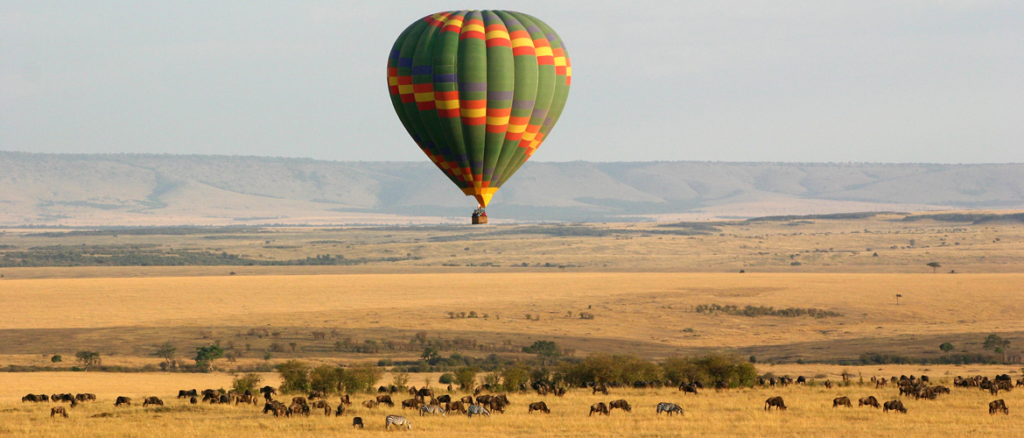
(828, 384)
(299, 400)
(193, 400)
(997, 406)
(59, 410)
(85, 397)
(370, 404)
(841, 401)
(539, 406)
(385, 400)
(411, 403)
(186, 394)
(599, 408)
(477, 410)
(868, 401)
(468, 400)
(669, 408)
(688, 388)
(322, 405)
(801, 380)
(345, 400)
(894, 405)
(152, 401)
(776, 402)
(340, 411)
(315, 394)
(357, 422)
(602, 388)
(457, 406)
(34, 398)
(444, 399)
(127, 401)
(620, 404)
(425, 392)
(301, 409)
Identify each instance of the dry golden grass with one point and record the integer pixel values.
(648, 314)
(728, 413)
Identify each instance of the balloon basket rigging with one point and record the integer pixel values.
(479, 216)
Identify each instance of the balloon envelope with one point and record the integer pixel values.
(479, 91)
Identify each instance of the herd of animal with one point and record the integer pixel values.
(425, 402)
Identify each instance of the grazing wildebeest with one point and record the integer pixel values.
(894, 405)
(59, 410)
(868, 401)
(444, 399)
(411, 403)
(397, 421)
(771, 382)
(841, 401)
(484, 399)
(34, 398)
(357, 422)
(539, 406)
(152, 401)
(267, 391)
(477, 410)
(456, 406)
(560, 392)
(776, 402)
(345, 400)
(997, 406)
(688, 388)
(315, 394)
(280, 410)
(341, 410)
(193, 400)
(620, 404)
(385, 400)
(127, 401)
(468, 400)
(370, 404)
(186, 394)
(382, 389)
(801, 380)
(599, 408)
(828, 384)
(296, 408)
(433, 410)
(85, 397)
(322, 405)
(224, 399)
(299, 400)
(425, 392)
(669, 408)
(602, 388)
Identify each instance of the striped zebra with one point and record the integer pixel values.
(478, 410)
(432, 409)
(398, 421)
(670, 408)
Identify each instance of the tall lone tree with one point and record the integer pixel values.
(934, 266)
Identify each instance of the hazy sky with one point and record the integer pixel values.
(878, 81)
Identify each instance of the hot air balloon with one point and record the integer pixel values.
(479, 91)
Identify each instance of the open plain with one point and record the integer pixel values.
(650, 290)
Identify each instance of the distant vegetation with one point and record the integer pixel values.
(973, 218)
(153, 255)
(756, 311)
(151, 231)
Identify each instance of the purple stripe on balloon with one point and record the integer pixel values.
(533, 29)
(450, 77)
(500, 95)
(522, 104)
(548, 121)
(395, 53)
(404, 62)
(462, 157)
(477, 163)
(552, 38)
(470, 87)
(422, 69)
(539, 112)
(512, 21)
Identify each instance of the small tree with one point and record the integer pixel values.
(466, 377)
(401, 380)
(935, 266)
(166, 351)
(325, 378)
(429, 354)
(246, 383)
(446, 378)
(206, 355)
(88, 358)
(294, 376)
(56, 358)
(946, 347)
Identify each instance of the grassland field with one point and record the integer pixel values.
(641, 282)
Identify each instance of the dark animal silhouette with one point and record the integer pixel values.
(539, 406)
(775, 402)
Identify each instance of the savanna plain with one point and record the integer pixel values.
(872, 295)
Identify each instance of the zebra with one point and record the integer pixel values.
(397, 421)
(477, 409)
(432, 409)
(669, 408)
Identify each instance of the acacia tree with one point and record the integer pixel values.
(167, 351)
(88, 358)
(935, 266)
(206, 355)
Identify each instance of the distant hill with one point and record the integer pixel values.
(131, 189)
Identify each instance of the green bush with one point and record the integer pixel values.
(466, 377)
(447, 378)
(709, 369)
(325, 378)
(294, 376)
(247, 382)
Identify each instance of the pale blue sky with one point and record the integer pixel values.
(905, 81)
